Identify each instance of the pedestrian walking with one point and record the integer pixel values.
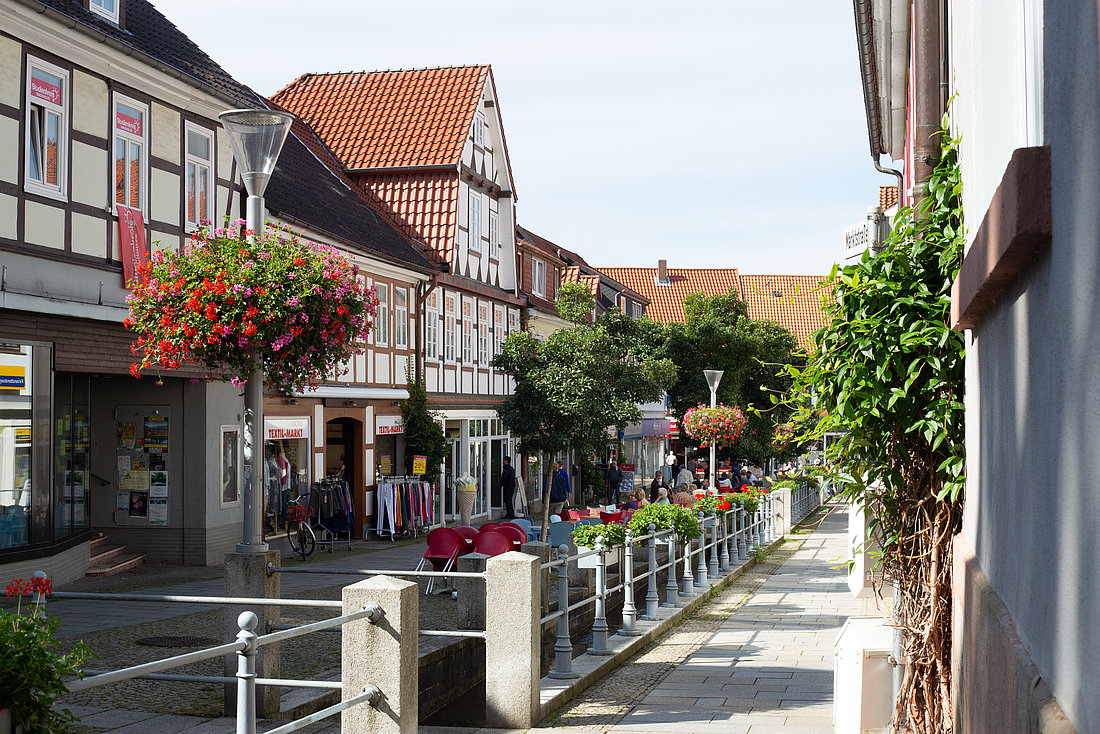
(614, 479)
(559, 489)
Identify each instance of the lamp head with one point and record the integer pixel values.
(713, 378)
(256, 137)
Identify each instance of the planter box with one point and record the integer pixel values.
(586, 562)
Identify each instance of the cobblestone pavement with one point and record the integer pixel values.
(756, 660)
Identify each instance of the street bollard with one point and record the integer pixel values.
(758, 522)
(742, 544)
(599, 625)
(724, 545)
(246, 674)
(670, 584)
(686, 581)
(701, 557)
(563, 646)
(769, 526)
(712, 568)
(652, 600)
(630, 611)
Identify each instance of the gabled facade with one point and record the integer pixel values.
(540, 275)
(429, 146)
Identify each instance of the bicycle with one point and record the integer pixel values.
(298, 531)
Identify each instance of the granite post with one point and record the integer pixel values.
(512, 650)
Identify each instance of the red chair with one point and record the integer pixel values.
(445, 545)
(468, 533)
(493, 543)
(515, 532)
(489, 526)
(517, 526)
(611, 518)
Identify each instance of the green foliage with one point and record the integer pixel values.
(33, 669)
(586, 535)
(719, 335)
(682, 520)
(759, 554)
(424, 434)
(575, 303)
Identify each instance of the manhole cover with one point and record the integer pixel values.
(179, 641)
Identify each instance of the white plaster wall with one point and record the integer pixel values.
(91, 107)
(9, 149)
(163, 241)
(9, 212)
(165, 132)
(164, 203)
(11, 63)
(225, 155)
(89, 175)
(45, 225)
(382, 367)
(89, 235)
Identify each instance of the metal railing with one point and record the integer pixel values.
(804, 499)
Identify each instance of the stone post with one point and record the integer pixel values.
(382, 654)
(471, 592)
(783, 510)
(246, 576)
(540, 550)
(513, 645)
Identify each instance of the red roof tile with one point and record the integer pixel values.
(667, 301)
(425, 205)
(387, 119)
(792, 301)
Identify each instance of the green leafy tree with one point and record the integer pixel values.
(888, 375)
(424, 434)
(582, 379)
(718, 334)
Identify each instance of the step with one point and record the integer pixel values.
(117, 565)
(97, 543)
(104, 553)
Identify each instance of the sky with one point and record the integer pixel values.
(709, 134)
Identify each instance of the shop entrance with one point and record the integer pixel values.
(343, 459)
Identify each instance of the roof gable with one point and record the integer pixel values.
(390, 119)
(667, 301)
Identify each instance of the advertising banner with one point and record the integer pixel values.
(131, 236)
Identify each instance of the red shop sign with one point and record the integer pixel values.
(131, 235)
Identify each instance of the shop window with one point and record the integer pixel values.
(72, 470)
(286, 462)
(400, 318)
(130, 153)
(199, 188)
(25, 399)
(382, 319)
(47, 129)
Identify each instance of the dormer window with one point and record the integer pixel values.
(538, 278)
(105, 8)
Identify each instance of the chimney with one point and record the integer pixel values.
(662, 272)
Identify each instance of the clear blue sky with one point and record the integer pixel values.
(711, 134)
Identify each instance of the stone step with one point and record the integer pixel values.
(98, 542)
(104, 552)
(117, 565)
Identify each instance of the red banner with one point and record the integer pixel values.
(131, 235)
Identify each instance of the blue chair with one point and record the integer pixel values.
(590, 521)
(533, 532)
(559, 533)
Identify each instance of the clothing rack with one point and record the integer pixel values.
(403, 505)
(333, 510)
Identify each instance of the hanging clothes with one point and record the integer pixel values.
(402, 506)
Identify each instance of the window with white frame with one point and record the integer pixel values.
(538, 277)
(483, 334)
(199, 183)
(382, 318)
(431, 327)
(47, 128)
(105, 8)
(494, 236)
(400, 318)
(450, 326)
(467, 331)
(475, 221)
(479, 129)
(498, 330)
(513, 322)
(130, 152)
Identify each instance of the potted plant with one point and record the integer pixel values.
(584, 537)
(33, 668)
(720, 425)
(680, 519)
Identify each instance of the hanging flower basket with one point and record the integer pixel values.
(720, 425)
(300, 308)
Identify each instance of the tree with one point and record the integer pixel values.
(888, 374)
(718, 334)
(424, 435)
(582, 379)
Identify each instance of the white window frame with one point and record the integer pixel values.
(382, 318)
(498, 330)
(431, 327)
(450, 326)
(473, 225)
(467, 331)
(61, 109)
(479, 129)
(494, 235)
(98, 9)
(193, 159)
(483, 334)
(400, 318)
(130, 138)
(538, 277)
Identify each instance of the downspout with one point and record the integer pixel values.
(928, 95)
(869, 74)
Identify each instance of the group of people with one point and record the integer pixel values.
(682, 489)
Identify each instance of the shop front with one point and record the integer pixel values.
(478, 443)
(644, 445)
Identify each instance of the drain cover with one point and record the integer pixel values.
(180, 641)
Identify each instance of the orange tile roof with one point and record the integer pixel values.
(388, 119)
(425, 206)
(792, 301)
(887, 196)
(667, 301)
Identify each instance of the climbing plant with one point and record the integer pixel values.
(888, 375)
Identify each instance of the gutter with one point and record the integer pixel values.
(869, 74)
(73, 24)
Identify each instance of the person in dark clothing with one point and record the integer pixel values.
(508, 488)
(655, 486)
(559, 490)
(614, 479)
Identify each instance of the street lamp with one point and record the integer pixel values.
(713, 378)
(256, 137)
